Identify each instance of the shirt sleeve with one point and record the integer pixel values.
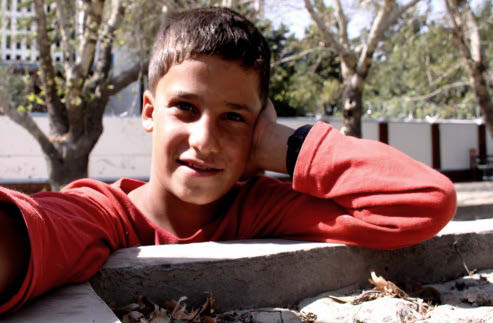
(71, 235)
(353, 191)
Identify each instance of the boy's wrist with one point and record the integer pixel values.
(271, 155)
(294, 143)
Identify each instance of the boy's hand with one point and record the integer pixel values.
(269, 143)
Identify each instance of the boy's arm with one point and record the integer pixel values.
(14, 251)
(354, 191)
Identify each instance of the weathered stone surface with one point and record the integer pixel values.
(76, 303)
(253, 274)
(463, 300)
(474, 201)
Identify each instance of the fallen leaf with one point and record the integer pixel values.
(342, 299)
(387, 287)
(159, 317)
(208, 319)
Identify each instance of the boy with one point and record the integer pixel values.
(212, 124)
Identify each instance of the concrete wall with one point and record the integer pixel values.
(123, 151)
(413, 139)
(124, 148)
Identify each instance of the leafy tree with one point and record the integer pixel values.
(415, 74)
(355, 60)
(467, 36)
(76, 93)
(418, 72)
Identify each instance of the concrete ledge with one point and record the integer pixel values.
(75, 303)
(474, 212)
(268, 273)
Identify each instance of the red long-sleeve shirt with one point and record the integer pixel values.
(344, 190)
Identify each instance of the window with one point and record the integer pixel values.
(7, 42)
(18, 57)
(8, 5)
(28, 58)
(18, 45)
(8, 23)
(28, 44)
(7, 57)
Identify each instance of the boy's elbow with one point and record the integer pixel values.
(439, 210)
(446, 205)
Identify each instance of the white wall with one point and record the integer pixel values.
(413, 139)
(456, 139)
(124, 148)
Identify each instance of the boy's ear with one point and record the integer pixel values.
(147, 110)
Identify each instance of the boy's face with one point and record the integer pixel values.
(202, 117)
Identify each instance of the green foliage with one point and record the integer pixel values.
(419, 71)
(301, 83)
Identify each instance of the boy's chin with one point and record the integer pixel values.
(199, 198)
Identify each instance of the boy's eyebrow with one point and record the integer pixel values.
(239, 106)
(232, 105)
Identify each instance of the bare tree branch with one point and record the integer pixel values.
(63, 17)
(387, 15)
(55, 108)
(399, 12)
(25, 120)
(342, 22)
(376, 34)
(437, 91)
(122, 80)
(447, 73)
(296, 56)
(93, 13)
(345, 54)
(455, 19)
(103, 63)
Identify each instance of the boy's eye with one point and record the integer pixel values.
(184, 106)
(234, 116)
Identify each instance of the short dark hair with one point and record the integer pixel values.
(210, 31)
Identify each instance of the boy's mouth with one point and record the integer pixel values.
(197, 167)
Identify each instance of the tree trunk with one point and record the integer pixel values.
(352, 105)
(480, 88)
(63, 172)
(75, 154)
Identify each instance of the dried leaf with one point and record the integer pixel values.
(128, 319)
(129, 308)
(343, 299)
(208, 306)
(387, 287)
(170, 305)
(135, 315)
(159, 317)
(308, 317)
(146, 307)
(180, 309)
(208, 319)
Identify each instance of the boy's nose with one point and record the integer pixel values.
(204, 136)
